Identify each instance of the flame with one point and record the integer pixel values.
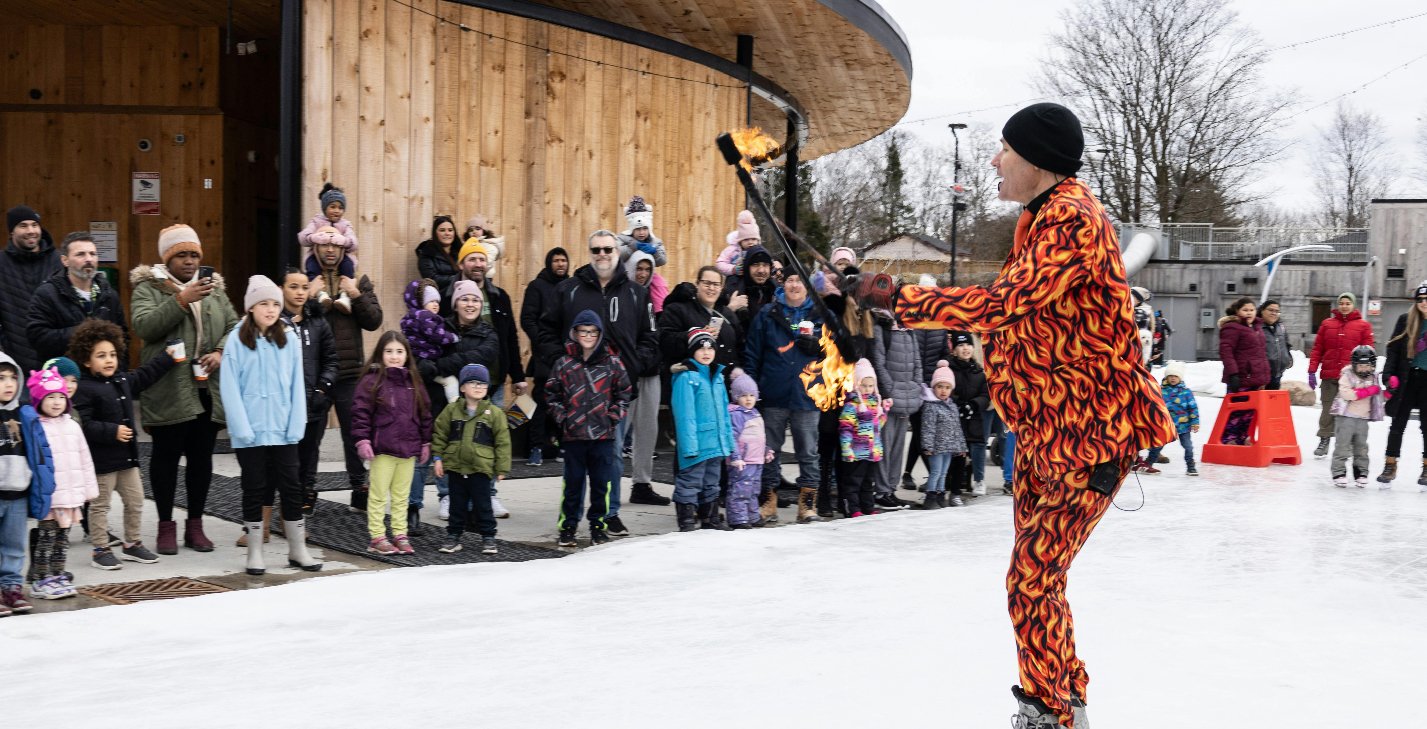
(756, 146)
(827, 380)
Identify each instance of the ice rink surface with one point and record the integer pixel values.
(1241, 598)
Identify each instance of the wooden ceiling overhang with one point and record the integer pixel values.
(842, 66)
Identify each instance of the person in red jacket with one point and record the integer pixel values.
(1332, 347)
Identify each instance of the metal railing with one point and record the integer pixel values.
(1205, 242)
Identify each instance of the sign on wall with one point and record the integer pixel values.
(1374, 308)
(145, 195)
(106, 238)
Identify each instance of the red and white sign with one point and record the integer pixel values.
(145, 196)
(1374, 308)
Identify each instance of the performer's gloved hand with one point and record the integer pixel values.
(808, 345)
(872, 292)
(1312, 381)
(1364, 393)
(1234, 381)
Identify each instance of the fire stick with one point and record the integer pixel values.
(733, 157)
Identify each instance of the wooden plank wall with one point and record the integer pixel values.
(414, 117)
(110, 65)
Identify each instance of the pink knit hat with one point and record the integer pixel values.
(745, 227)
(943, 374)
(47, 382)
(862, 369)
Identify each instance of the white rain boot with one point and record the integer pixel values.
(255, 549)
(297, 554)
(978, 488)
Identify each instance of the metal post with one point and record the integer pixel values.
(790, 177)
(1367, 282)
(289, 183)
(955, 201)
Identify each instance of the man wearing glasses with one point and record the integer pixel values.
(1280, 356)
(624, 309)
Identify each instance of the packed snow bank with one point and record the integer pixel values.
(1234, 599)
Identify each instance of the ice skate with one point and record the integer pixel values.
(1322, 450)
(1033, 714)
(1341, 481)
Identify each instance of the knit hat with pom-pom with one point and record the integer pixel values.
(943, 374)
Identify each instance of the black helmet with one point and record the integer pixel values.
(1421, 290)
(1363, 354)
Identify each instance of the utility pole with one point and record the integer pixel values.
(956, 193)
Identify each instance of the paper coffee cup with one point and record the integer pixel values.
(200, 372)
(179, 355)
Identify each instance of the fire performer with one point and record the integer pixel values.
(1066, 374)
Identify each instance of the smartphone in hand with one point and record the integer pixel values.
(205, 273)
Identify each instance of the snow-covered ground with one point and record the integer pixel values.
(1244, 597)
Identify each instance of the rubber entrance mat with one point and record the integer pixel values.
(335, 526)
(128, 593)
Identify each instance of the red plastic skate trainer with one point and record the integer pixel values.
(1271, 437)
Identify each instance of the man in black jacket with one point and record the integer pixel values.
(29, 260)
(623, 306)
(474, 261)
(756, 287)
(539, 297)
(70, 296)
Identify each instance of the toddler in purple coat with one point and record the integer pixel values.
(750, 452)
(426, 330)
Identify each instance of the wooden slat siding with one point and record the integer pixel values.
(369, 203)
(447, 113)
(470, 138)
(557, 128)
(423, 136)
(317, 107)
(342, 67)
(537, 100)
(626, 129)
(575, 113)
(396, 164)
(487, 200)
(510, 209)
(253, 18)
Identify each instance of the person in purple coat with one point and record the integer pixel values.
(391, 422)
(1245, 358)
(750, 452)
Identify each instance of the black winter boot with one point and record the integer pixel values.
(930, 501)
(1389, 471)
(709, 518)
(643, 493)
(359, 498)
(688, 517)
(413, 521)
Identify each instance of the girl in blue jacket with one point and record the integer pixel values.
(704, 433)
(265, 398)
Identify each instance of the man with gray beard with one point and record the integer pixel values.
(73, 294)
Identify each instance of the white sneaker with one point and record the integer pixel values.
(445, 511)
(978, 488)
(1340, 481)
(499, 509)
(49, 588)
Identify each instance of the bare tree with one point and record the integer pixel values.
(1352, 165)
(1172, 91)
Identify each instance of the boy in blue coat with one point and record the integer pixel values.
(26, 483)
(704, 433)
(1183, 410)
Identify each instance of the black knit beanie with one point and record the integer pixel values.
(19, 214)
(1048, 136)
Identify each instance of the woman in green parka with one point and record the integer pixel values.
(182, 411)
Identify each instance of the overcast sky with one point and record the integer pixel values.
(969, 56)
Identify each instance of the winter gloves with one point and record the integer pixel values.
(1234, 381)
(1364, 393)
(1392, 382)
(364, 450)
(1312, 381)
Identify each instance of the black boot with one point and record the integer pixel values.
(709, 518)
(359, 498)
(930, 501)
(413, 520)
(1032, 713)
(941, 499)
(643, 493)
(688, 517)
(309, 501)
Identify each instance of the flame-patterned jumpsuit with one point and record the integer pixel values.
(1067, 375)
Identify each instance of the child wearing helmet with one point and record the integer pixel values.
(1358, 403)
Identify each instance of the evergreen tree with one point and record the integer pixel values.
(894, 214)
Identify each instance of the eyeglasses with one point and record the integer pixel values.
(1421, 299)
(602, 249)
(710, 284)
(587, 332)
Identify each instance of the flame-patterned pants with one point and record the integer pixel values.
(1053, 520)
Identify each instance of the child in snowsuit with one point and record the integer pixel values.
(750, 452)
(26, 483)
(703, 433)
(334, 207)
(588, 394)
(471, 447)
(1184, 411)
(860, 431)
(391, 423)
(105, 401)
(1359, 402)
(942, 437)
(74, 484)
(744, 236)
(425, 330)
(640, 235)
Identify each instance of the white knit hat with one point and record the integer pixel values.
(261, 288)
(639, 214)
(177, 239)
(1175, 369)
